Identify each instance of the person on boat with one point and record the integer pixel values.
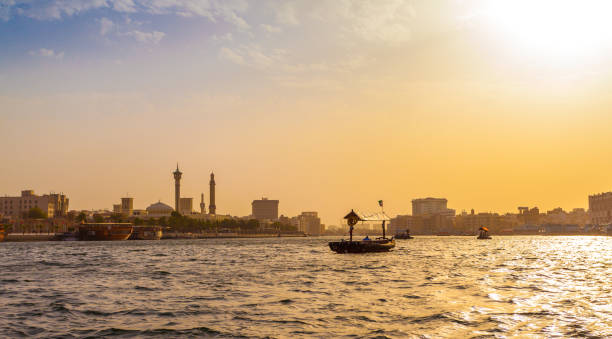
(366, 238)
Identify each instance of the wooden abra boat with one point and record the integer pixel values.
(146, 233)
(484, 233)
(382, 244)
(105, 231)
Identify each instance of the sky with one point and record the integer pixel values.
(324, 105)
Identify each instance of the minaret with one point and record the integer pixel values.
(177, 188)
(202, 205)
(212, 209)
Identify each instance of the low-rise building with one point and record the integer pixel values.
(265, 209)
(309, 223)
(51, 204)
(600, 208)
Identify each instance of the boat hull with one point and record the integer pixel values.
(366, 246)
(102, 232)
(403, 236)
(146, 233)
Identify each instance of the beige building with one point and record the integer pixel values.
(265, 209)
(51, 204)
(158, 210)
(429, 206)
(310, 223)
(186, 206)
(127, 206)
(600, 208)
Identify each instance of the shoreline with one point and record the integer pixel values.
(41, 237)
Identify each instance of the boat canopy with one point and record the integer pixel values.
(381, 216)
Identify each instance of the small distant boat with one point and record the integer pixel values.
(483, 234)
(105, 231)
(146, 233)
(404, 235)
(443, 234)
(381, 244)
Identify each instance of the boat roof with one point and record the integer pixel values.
(380, 216)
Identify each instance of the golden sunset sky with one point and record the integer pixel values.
(324, 105)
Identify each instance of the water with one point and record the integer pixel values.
(427, 287)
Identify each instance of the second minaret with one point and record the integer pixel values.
(212, 208)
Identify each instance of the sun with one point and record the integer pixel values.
(552, 28)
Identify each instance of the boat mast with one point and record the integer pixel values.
(382, 209)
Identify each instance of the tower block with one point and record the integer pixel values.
(212, 208)
(177, 188)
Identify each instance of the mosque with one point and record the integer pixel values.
(185, 205)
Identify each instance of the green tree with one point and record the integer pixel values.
(98, 217)
(116, 217)
(36, 213)
(82, 217)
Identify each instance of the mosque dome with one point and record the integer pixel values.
(159, 208)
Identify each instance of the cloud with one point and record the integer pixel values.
(106, 25)
(146, 37)
(230, 55)
(127, 6)
(271, 29)
(228, 37)
(254, 56)
(47, 53)
(286, 13)
(227, 10)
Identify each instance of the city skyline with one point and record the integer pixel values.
(325, 106)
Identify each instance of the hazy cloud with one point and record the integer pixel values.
(106, 25)
(146, 37)
(57, 9)
(271, 29)
(47, 53)
(230, 55)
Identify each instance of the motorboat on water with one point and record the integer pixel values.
(483, 233)
(404, 235)
(382, 244)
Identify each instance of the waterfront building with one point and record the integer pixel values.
(309, 223)
(140, 213)
(265, 209)
(401, 223)
(185, 206)
(51, 204)
(469, 223)
(529, 216)
(127, 206)
(600, 208)
(177, 188)
(116, 208)
(212, 207)
(430, 206)
(159, 209)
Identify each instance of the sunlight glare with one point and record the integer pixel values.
(554, 28)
